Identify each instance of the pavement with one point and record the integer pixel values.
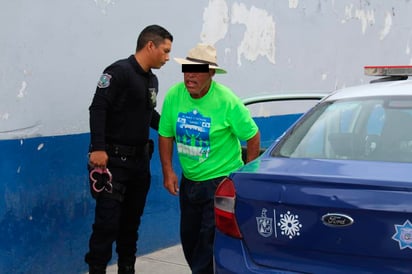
(169, 260)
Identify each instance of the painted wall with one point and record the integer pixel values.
(53, 52)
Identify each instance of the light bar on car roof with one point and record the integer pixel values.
(388, 70)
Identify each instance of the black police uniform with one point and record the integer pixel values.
(121, 114)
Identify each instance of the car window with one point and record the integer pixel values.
(376, 129)
(274, 117)
(280, 107)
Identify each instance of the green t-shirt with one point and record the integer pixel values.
(207, 130)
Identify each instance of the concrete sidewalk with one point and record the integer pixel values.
(169, 260)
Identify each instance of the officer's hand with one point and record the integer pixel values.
(98, 158)
(170, 182)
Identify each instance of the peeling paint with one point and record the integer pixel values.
(40, 146)
(387, 27)
(22, 90)
(4, 116)
(103, 4)
(293, 4)
(228, 51)
(259, 37)
(366, 17)
(215, 22)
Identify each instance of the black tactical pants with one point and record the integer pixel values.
(117, 220)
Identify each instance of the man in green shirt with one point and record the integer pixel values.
(207, 121)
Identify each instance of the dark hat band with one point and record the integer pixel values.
(201, 61)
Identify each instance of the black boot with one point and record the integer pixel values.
(97, 269)
(125, 269)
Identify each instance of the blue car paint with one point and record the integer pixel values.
(240, 262)
(311, 185)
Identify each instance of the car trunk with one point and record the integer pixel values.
(347, 216)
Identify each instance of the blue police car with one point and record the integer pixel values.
(333, 194)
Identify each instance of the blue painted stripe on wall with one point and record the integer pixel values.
(46, 211)
(272, 127)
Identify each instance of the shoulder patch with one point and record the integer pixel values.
(104, 80)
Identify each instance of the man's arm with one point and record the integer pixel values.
(97, 120)
(170, 180)
(253, 147)
(154, 123)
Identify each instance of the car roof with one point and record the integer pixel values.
(284, 95)
(387, 88)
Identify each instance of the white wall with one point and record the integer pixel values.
(53, 51)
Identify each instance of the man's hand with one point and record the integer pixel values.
(170, 180)
(171, 183)
(98, 158)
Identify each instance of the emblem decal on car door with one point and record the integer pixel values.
(264, 224)
(288, 224)
(403, 235)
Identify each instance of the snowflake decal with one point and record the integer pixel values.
(289, 225)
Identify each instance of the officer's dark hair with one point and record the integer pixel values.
(154, 33)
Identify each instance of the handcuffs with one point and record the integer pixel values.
(101, 179)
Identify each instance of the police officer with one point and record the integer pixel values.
(121, 113)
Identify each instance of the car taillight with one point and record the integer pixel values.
(225, 197)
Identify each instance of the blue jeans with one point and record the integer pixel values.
(197, 223)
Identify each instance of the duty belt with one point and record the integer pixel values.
(121, 150)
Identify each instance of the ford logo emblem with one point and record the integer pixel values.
(337, 220)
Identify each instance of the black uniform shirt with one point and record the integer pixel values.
(122, 109)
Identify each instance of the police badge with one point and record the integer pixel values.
(152, 97)
(104, 80)
(264, 224)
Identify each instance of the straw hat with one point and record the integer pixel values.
(202, 54)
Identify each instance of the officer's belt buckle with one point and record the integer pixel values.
(126, 151)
